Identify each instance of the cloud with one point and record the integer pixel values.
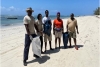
(11, 8)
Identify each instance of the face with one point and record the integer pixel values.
(46, 13)
(72, 16)
(58, 16)
(40, 17)
(29, 13)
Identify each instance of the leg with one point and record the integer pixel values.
(50, 39)
(59, 42)
(56, 39)
(75, 43)
(50, 45)
(45, 46)
(70, 42)
(41, 39)
(45, 40)
(74, 38)
(55, 43)
(59, 37)
(70, 35)
(26, 47)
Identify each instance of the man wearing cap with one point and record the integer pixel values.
(72, 26)
(57, 29)
(30, 26)
(45, 20)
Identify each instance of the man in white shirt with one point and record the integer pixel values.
(47, 37)
(30, 26)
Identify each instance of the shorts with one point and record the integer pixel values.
(58, 34)
(46, 37)
(72, 34)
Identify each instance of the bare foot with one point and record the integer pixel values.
(76, 47)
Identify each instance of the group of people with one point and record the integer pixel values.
(31, 25)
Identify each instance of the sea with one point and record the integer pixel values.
(5, 22)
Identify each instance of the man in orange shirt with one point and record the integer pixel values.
(72, 27)
(57, 29)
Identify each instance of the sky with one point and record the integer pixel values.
(65, 7)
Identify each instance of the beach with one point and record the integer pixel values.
(88, 41)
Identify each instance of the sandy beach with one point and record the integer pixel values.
(88, 41)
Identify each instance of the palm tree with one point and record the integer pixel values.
(97, 11)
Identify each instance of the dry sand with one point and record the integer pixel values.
(88, 40)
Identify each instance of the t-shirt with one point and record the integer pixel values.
(47, 25)
(30, 21)
(40, 27)
(71, 25)
(58, 23)
(46, 19)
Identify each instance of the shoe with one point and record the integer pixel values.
(24, 63)
(70, 46)
(36, 56)
(42, 52)
(59, 47)
(51, 49)
(55, 47)
(45, 51)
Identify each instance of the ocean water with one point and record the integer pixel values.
(19, 21)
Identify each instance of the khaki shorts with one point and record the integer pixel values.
(47, 37)
(58, 34)
(72, 34)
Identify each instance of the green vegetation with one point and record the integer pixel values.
(97, 11)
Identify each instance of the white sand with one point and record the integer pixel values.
(12, 45)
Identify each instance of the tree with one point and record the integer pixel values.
(97, 11)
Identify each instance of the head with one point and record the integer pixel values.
(58, 15)
(39, 17)
(29, 11)
(46, 13)
(72, 15)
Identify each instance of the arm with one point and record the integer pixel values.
(53, 28)
(25, 21)
(36, 27)
(77, 27)
(27, 28)
(62, 27)
(67, 26)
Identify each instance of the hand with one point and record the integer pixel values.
(41, 32)
(31, 38)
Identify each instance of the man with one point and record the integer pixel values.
(47, 35)
(29, 23)
(71, 24)
(58, 29)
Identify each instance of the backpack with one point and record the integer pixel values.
(47, 27)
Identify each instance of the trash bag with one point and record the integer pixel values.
(65, 39)
(36, 46)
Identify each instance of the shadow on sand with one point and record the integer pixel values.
(39, 60)
(79, 46)
(52, 51)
